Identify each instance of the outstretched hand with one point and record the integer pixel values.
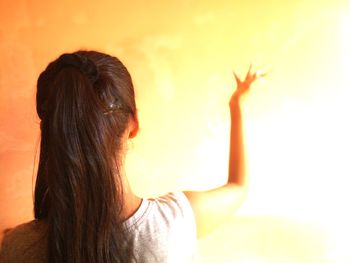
(243, 86)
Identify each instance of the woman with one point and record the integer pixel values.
(84, 208)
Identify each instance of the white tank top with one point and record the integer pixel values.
(164, 230)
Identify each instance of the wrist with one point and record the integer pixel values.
(235, 102)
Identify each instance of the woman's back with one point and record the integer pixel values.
(161, 230)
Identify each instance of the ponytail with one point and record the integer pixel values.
(79, 189)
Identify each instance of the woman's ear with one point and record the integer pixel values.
(134, 127)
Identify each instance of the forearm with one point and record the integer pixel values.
(236, 158)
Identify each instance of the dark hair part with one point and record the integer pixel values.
(85, 101)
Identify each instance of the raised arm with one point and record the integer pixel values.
(214, 207)
(237, 174)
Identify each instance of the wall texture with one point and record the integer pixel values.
(181, 55)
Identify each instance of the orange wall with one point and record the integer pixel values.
(181, 55)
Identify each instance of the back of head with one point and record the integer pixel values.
(85, 101)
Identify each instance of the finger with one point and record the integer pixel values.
(249, 72)
(250, 79)
(253, 77)
(238, 81)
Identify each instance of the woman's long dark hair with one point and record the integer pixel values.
(85, 101)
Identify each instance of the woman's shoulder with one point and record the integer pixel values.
(176, 202)
(164, 209)
(28, 230)
(164, 229)
(172, 204)
(171, 198)
(19, 240)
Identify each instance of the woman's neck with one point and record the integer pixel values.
(131, 201)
